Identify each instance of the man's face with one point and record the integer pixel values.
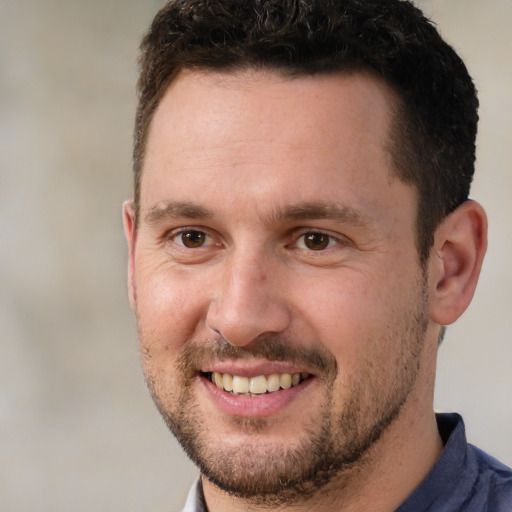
(274, 244)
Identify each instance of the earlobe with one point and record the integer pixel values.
(459, 249)
(130, 233)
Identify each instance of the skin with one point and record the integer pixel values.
(254, 161)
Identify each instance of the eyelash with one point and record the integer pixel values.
(175, 234)
(300, 242)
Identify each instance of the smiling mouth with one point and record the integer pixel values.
(255, 386)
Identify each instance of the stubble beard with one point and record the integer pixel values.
(332, 445)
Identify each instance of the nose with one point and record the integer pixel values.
(249, 301)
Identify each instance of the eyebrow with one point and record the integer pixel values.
(323, 210)
(300, 211)
(175, 209)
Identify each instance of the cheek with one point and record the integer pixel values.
(169, 308)
(164, 310)
(346, 304)
(353, 316)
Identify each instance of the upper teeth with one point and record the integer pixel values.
(256, 385)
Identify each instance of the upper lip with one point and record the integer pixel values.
(253, 368)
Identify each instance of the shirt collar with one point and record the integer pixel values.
(195, 500)
(450, 472)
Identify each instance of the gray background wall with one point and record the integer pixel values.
(77, 428)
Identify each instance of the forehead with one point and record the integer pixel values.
(259, 100)
(269, 136)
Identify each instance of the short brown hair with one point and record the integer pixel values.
(434, 127)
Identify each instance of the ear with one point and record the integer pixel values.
(131, 235)
(460, 243)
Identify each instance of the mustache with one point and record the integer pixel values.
(197, 353)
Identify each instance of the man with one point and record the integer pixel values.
(300, 236)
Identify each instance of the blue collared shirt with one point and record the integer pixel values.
(464, 479)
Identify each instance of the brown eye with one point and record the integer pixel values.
(317, 241)
(192, 239)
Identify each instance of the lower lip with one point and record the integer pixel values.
(257, 406)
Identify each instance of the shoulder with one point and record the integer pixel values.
(492, 487)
